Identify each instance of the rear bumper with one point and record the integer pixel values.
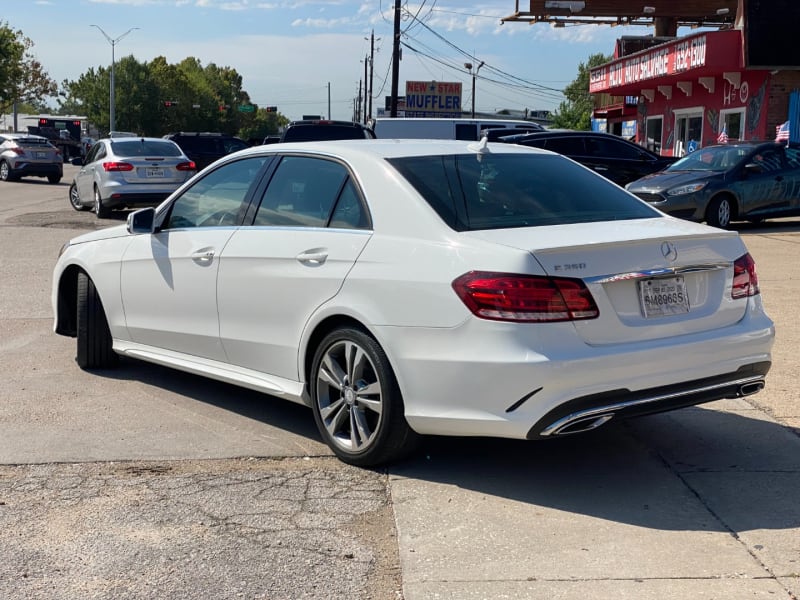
(22, 169)
(119, 200)
(589, 412)
(484, 380)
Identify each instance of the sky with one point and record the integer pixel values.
(296, 54)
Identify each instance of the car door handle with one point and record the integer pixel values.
(313, 257)
(203, 256)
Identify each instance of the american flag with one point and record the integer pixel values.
(782, 132)
(723, 136)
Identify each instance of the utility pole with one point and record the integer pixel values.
(371, 62)
(366, 88)
(329, 100)
(474, 74)
(358, 110)
(395, 58)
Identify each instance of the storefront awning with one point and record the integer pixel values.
(694, 57)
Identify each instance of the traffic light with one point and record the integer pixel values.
(170, 103)
(271, 109)
(223, 107)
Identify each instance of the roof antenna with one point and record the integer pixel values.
(481, 147)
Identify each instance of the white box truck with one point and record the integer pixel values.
(445, 129)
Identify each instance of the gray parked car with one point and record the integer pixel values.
(24, 155)
(124, 172)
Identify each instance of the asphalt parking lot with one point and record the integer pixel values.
(147, 483)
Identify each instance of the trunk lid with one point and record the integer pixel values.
(651, 278)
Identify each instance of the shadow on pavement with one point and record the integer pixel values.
(644, 472)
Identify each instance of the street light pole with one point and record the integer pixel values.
(111, 104)
(468, 67)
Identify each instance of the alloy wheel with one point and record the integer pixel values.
(349, 396)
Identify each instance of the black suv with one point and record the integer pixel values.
(322, 130)
(205, 148)
(611, 156)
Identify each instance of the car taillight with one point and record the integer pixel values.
(117, 166)
(187, 166)
(745, 278)
(525, 298)
(18, 151)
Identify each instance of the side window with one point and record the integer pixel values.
(98, 151)
(609, 148)
(769, 160)
(217, 199)
(793, 158)
(349, 212)
(301, 193)
(568, 146)
(233, 145)
(466, 131)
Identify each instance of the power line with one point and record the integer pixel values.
(534, 91)
(472, 58)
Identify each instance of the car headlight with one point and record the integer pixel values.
(689, 188)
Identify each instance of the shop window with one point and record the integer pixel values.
(655, 126)
(732, 120)
(688, 131)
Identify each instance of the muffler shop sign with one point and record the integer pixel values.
(433, 99)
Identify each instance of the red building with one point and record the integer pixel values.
(683, 93)
(741, 75)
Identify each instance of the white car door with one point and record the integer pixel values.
(309, 230)
(169, 278)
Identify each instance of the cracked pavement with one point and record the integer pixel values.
(246, 528)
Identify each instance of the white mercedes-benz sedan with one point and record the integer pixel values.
(410, 287)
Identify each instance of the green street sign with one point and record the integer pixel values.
(247, 108)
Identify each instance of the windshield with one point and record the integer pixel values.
(497, 191)
(713, 158)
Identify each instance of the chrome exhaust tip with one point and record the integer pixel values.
(578, 425)
(753, 387)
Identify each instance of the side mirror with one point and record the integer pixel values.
(142, 221)
(77, 161)
(753, 168)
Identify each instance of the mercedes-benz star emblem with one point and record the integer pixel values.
(669, 251)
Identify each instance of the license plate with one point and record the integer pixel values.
(153, 172)
(41, 155)
(663, 296)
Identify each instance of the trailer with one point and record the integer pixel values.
(63, 133)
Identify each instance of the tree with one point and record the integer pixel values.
(154, 98)
(22, 78)
(576, 111)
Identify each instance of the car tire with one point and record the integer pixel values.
(102, 212)
(720, 212)
(5, 172)
(75, 198)
(54, 178)
(356, 400)
(94, 344)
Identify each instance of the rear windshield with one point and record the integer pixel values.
(501, 191)
(32, 141)
(320, 133)
(141, 147)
